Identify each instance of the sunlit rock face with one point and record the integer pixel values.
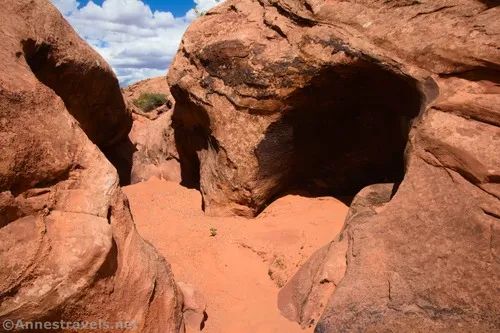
(328, 97)
(68, 246)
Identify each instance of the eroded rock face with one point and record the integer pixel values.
(156, 153)
(306, 295)
(312, 95)
(68, 246)
(52, 55)
(150, 149)
(290, 104)
(332, 96)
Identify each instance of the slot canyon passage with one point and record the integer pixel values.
(326, 166)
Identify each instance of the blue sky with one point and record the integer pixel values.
(176, 7)
(138, 38)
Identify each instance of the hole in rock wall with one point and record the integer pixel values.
(346, 129)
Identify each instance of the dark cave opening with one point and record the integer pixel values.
(347, 129)
(192, 134)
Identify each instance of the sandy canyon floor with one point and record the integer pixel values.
(240, 269)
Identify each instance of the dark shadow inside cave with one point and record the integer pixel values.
(346, 129)
(491, 3)
(192, 134)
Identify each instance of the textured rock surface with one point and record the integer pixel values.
(156, 85)
(326, 95)
(318, 94)
(304, 298)
(59, 59)
(68, 245)
(194, 308)
(156, 153)
(150, 148)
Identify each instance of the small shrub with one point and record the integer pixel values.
(213, 232)
(149, 101)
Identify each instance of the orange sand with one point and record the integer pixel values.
(231, 268)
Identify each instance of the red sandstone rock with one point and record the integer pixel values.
(150, 149)
(58, 58)
(194, 308)
(254, 95)
(332, 96)
(157, 85)
(68, 245)
(306, 295)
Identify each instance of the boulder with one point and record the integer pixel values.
(195, 306)
(59, 59)
(332, 96)
(306, 295)
(69, 250)
(314, 94)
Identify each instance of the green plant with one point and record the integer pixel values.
(279, 262)
(149, 101)
(213, 232)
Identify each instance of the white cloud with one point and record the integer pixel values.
(66, 6)
(137, 42)
(204, 5)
